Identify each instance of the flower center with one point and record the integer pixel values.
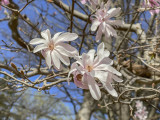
(51, 46)
(79, 77)
(89, 68)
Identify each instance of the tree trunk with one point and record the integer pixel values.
(87, 107)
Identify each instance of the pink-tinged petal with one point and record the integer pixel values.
(46, 34)
(43, 52)
(115, 22)
(37, 41)
(113, 12)
(56, 36)
(85, 60)
(92, 73)
(100, 50)
(106, 53)
(67, 49)
(117, 79)
(66, 37)
(55, 59)
(98, 35)
(103, 27)
(80, 70)
(91, 53)
(110, 89)
(83, 1)
(95, 24)
(106, 79)
(107, 34)
(101, 75)
(73, 69)
(61, 50)
(63, 58)
(157, 11)
(94, 88)
(74, 65)
(111, 30)
(105, 60)
(39, 47)
(79, 82)
(79, 61)
(107, 5)
(101, 67)
(113, 70)
(58, 69)
(48, 59)
(5, 2)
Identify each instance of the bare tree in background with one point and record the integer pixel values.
(135, 53)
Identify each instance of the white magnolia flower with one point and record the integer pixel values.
(88, 70)
(93, 3)
(141, 112)
(54, 49)
(102, 19)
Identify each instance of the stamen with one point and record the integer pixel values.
(89, 68)
(51, 46)
(79, 77)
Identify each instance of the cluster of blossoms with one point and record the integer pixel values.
(141, 112)
(152, 4)
(102, 20)
(4, 2)
(91, 70)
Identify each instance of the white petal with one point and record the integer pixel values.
(39, 47)
(111, 30)
(66, 37)
(46, 34)
(117, 79)
(55, 59)
(85, 59)
(110, 89)
(56, 36)
(113, 12)
(101, 75)
(63, 58)
(67, 49)
(115, 22)
(104, 78)
(100, 50)
(99, 34)
(95, 24)
(113, 70)
(106, 53)
(91, 53)
(108, 4)
(73, 69)
(101, 67)
(94, 88)
(37, 41)
(61, 50)
(48, 59)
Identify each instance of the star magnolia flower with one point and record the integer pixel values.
(54, 49)
(93, 3)
(141, 112)
(90, 73)
(102, 20)
(4, 2)
(152, 4)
